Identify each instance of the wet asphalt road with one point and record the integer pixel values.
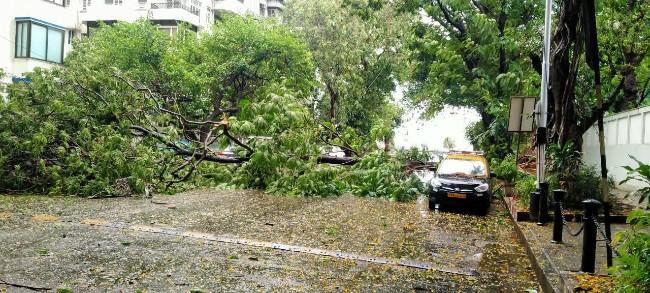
(236, 241)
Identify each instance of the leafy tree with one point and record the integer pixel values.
(358, 57)
(475, 54)
(623, 45)
(448, 143)
(156, 101)
(625, 39)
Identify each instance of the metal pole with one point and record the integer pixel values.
(533, 207)
(588, 263)
(543, 204)
(543, 109)
(517, 151)
(558, 222)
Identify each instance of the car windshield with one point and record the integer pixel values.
(459, 167)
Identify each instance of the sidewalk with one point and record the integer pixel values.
(556, 265)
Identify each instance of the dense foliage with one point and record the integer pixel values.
(359, 59)
(133, 110)
(632, 266)
(475, 54)
(505, 169)
(640, 174)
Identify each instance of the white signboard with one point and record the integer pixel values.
(522, 110)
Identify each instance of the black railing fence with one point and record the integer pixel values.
(590, 229)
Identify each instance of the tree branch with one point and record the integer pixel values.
(238, 142)
(141, 131)
(598, 112)
(459, 25)
(346, 145)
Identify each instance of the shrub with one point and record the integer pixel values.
(322, 181)
(640, 173)
(523, 187)
(380, 175)
(564, 161)
(505, 169)
(414, 154)
(632, 267)
(585, 183)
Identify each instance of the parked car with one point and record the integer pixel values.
(462, 179)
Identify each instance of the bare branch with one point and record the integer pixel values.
(608, 103)
(141, 131)
(459, 25)
(238, 142)
(346, 146)
(152, 95)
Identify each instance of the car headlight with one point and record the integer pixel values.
(482, 188)
(435, 184)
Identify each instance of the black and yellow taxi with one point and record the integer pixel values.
(462, 179)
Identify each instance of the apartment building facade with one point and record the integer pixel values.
(39, 33)
(35, 33)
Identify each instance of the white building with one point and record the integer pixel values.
(35, 33)
(254, 7)
(165, 13)
(39, 33)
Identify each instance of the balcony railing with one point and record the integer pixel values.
(63, 3)
(276, 3)
(176, 4)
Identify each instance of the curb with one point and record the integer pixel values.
(522, 216)
(542, 278)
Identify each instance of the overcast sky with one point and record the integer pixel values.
(451, 122)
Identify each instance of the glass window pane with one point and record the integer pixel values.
(21, 39)
(39, 35)
(54, 45)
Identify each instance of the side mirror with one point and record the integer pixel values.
(493, 175)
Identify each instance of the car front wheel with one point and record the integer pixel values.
(432, 202)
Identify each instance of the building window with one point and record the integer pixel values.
(22, 35)
(262, 10)
(169, 30)
(86, 4)
(143, 3)
(113, 2)
(37, 41)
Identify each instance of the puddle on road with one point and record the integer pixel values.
(44, 218)
(422, 205)
(5, 216)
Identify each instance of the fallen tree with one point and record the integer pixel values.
(157, 114)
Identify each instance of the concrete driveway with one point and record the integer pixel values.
(242, 241)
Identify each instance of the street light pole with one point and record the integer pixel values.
(543, 113)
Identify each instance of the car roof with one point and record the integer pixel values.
(469, 156)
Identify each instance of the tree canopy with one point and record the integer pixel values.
(359, 59)
(133, 110)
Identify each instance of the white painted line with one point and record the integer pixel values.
(286, 247)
